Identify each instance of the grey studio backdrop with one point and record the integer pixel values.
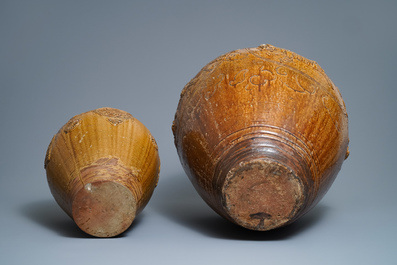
(62, 58)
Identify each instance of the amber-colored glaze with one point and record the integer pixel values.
(102, 167)
(261, 133)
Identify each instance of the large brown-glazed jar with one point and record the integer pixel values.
(102, 167)
(261, 133)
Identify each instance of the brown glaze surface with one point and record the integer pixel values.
(267, 105)
(102, 167)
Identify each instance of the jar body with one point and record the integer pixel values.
(262, 134)
(102, 168)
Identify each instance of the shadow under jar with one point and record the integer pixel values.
(261, 133)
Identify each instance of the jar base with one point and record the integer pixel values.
(262, 194)
(104, 208)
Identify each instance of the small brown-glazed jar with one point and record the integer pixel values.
(102, 167)
(261, 133)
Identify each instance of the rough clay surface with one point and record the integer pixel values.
(104, 209)
(262, 195)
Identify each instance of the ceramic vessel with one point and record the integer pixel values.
(102, 167)
(261, 133)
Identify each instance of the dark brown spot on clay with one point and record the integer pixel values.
(261, 216)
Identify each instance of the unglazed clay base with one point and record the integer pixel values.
(104, 209)
(262, 194)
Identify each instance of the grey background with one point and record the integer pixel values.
(62, 58)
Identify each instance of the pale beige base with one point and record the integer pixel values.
(262, 194)
(104, 208)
